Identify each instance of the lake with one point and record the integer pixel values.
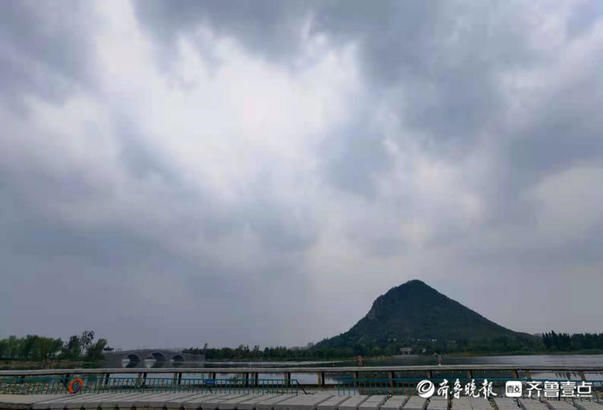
(520, 360)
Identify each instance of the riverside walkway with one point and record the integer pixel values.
(318, 401)
(253, 388)
(322, 375)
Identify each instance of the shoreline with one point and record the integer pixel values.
(33, 365)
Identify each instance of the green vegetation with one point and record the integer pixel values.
(34, 348)
(243, 352)
(578, 342)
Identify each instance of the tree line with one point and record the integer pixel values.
(565, 342)
(244, 352)
(549, 341)
(40, 348)
(84, 347)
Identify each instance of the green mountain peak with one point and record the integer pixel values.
(414, 312)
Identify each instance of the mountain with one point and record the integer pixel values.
(415, 312)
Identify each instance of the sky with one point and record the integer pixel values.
(174, 174)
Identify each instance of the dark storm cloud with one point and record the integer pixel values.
(437, 61)
(435, 65)
(270, 28)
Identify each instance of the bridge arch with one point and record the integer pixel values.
(131, 360)
(158, 356)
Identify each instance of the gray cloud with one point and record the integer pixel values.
(170, 201)
(46, 50)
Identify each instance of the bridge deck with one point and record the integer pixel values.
(332, 403)
(588, 405)
(303, 402)
(270, 403)
(532, 404)
(394, 403)
(415, 403)
(353, 402)
(480, 404)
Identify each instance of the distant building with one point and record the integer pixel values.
(406, 350)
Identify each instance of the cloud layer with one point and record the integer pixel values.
(259, 172)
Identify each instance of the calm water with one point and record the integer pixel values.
(528, 360)
(522, 361)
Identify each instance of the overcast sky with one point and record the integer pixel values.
(260, 171)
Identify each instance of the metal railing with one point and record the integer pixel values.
(319, 377)
(94, 384)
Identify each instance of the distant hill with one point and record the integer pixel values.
(415, 312)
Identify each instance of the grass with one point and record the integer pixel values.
(49, 364)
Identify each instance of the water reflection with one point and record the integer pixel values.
(152, 363)
(133, 361)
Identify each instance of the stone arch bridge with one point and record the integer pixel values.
(151, 358)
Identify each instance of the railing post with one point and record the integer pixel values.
(356, 376)
(246, 379)
(390, 379)
(287, 379)
(321, 379)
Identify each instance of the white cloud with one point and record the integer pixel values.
(569, 204)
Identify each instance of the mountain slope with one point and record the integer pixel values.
(415, 311)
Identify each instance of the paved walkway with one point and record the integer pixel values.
(318, 401)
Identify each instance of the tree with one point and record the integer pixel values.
(86, 340)
(95, 351)
(48, 348)
(39, 348)
(72, 350)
